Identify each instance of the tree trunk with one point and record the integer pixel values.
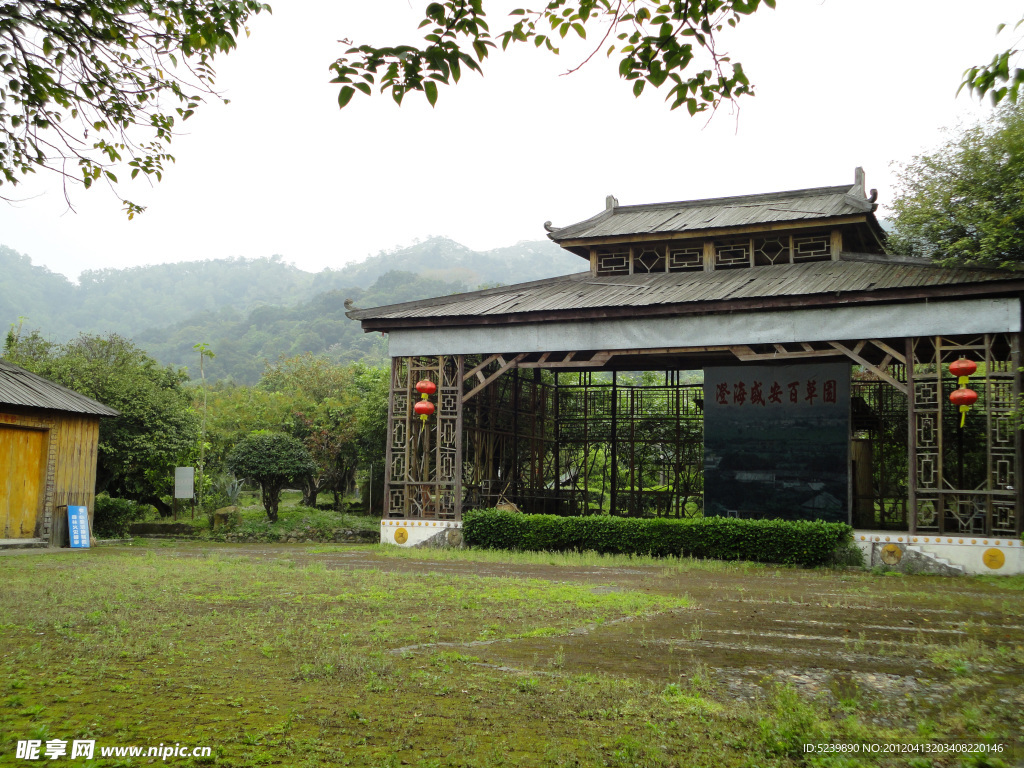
(271, 500)
(162, 507)
(310, 490)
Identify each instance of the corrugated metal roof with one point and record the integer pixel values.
(854, 273)
(717, 213)
(20, 387)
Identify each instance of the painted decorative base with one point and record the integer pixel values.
(419, 533)
(974, 554)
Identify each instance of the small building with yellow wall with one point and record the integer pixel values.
(49, 439)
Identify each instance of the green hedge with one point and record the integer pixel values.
(800, 542)
(111, 517)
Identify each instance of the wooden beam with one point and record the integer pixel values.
(854, 354)
(494, 376)
(596, 361)
(480, 367)
(890, 351)
(746, 354)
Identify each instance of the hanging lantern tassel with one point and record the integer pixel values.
(963, 397)
(424, 408)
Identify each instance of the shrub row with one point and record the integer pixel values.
(800, 542)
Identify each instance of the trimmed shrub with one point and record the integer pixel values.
(111, 517)
(787, 542)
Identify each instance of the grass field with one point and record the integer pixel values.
(370, 656)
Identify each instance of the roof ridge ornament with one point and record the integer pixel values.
(611, 203)
(857, 196)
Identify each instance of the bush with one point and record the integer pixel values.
(111, 517)
(788, 542)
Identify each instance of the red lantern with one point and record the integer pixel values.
(963, 367)
(963, 397)
(424, 408)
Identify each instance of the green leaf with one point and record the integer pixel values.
(430, 89)
(345, 96)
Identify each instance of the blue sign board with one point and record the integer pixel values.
(78, 526)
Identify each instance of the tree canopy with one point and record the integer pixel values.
(94, 88)
(85, 80)
(999, 78)
(157, 428)
(272, 459)
(658, 43)
(964, 203)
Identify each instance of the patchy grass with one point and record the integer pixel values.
(568, 559)
(356, 656)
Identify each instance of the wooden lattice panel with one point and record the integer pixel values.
(966, 477)
(648, 259)
(685, 259)
(614, 263)
(734, 253)
(771, 250)
(815, 248)
(424, 455)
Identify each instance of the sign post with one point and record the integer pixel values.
(78, 527)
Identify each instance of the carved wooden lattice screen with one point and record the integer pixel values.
(424, 458)
(965, 481)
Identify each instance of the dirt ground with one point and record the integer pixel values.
(848, 635)
(318, 655)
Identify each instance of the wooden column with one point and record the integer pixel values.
(911, 439)
(615, 457)
(1018, 442)
(557, 451)
(516, 471)
(940, 479)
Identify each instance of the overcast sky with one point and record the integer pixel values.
(281, 170)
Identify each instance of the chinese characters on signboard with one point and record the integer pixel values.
(764, 393)
(78, 526)
(776, 441)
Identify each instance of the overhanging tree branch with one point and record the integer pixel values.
(114, 69)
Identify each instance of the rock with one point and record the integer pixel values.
(226, 516)
(448, 538)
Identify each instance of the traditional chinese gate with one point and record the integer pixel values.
(568, 434)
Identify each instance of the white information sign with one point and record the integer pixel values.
(184, 482)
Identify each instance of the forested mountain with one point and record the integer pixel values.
(253, 310)
(244, 342)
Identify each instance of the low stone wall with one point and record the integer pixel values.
(338, 536)
(161, 529)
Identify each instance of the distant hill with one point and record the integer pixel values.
(446, 260)
(253, 310)
(244, 342)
